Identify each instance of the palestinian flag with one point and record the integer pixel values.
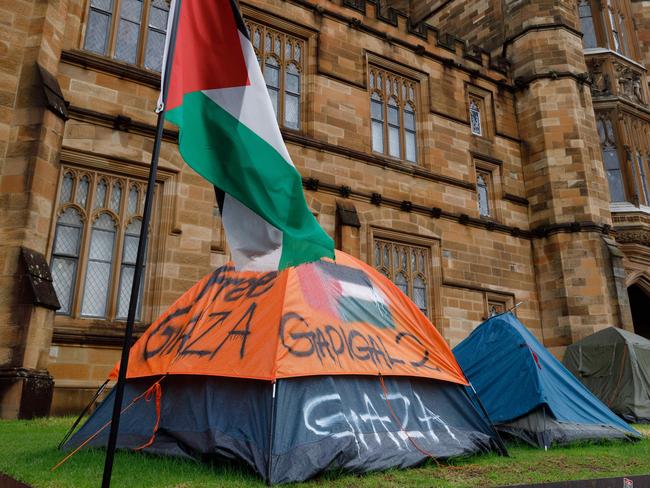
(229, 135)
(345, 293)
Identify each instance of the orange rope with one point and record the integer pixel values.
(133, 402)
(157, 390)
(397, 421)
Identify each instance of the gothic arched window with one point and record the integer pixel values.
(483, 193)
(377, 122)
(280, 56)
(407, 266)
(475, 117)
(65, 253)
(611, 159)
(95, 238)
(392, 115)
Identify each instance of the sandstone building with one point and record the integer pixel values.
(481, 153)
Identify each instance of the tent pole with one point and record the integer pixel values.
(139, 262)
(271, 435)
(502, 446)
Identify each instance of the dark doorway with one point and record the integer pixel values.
(640, 306)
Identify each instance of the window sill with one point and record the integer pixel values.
(107, 65)
(604, 50)
(69, 330)
(627, 207)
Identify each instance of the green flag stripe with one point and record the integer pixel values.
(231, 156)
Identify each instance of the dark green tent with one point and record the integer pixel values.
(615, 365)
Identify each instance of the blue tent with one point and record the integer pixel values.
(527, 392)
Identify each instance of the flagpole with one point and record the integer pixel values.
(139, 262)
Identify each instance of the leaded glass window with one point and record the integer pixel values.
(406, 265)
(98, 271)
(483, 193)
(281, 58)
(392, 114)
(129, 254)
(156, 31)
(614, 27)
(130, 31)
(587, 24)
(99, 25)
(95, 241)
(65, 255)
(475, 117)
(610, 158)
(394, 146)
(377, 121)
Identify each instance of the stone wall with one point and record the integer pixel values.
(545, 244)
(30, 139)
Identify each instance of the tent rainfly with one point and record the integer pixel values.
(615, 365)
(527, 392)
(323, 365)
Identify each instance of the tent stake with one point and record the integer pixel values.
(271, 435)
(139, 262)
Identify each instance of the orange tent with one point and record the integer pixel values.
(321, 318)
(324, 365)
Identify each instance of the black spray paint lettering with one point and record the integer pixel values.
(331, 342)
(176, 333)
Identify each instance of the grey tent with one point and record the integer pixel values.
(615, 365)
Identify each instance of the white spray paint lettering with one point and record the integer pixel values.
(369, 424)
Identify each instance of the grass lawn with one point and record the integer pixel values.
(28, 451)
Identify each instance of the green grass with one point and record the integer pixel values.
(28, 451)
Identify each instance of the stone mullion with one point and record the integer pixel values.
(142, 35)
(82, 263)
(112, 31)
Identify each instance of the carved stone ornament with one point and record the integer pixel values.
(629, 83)
(636, 236)
(600, 84)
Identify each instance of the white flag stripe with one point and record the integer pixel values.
(255, 245)
(251, 104)
(360, 292)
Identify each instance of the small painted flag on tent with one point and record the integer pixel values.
(229, 135)
(345, 293)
